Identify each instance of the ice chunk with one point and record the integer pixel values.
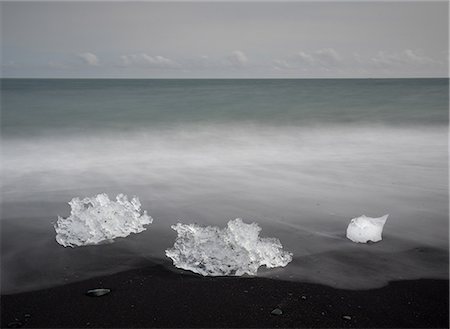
(363, 229)
(234, 250)
(97, 219)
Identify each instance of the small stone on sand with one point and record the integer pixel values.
(276, 311)
(98, 292)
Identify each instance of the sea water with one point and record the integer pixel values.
(299, 157)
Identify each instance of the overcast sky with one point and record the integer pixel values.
(223, 40)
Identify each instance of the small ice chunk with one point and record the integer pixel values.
(97, 219)
(363, 229)
(234, 250)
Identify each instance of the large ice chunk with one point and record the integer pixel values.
(97, 219)
(234, 250)
(364, 229)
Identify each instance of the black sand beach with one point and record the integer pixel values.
(155, 297)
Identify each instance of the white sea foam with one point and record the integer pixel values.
(357, 155)
(234, 250)
(97, 219)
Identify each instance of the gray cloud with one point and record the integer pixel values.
(328, 59)
(237, 59)
(89, 58)
(145, 60)
(321, 58)
(406, 57)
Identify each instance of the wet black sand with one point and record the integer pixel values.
(156, 297)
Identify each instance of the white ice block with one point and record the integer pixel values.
(364, 229)
(98, 219)
(234, 250)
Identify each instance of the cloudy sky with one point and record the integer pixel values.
(224, 40)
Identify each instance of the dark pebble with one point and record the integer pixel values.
(98, 292)
(276, 311)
